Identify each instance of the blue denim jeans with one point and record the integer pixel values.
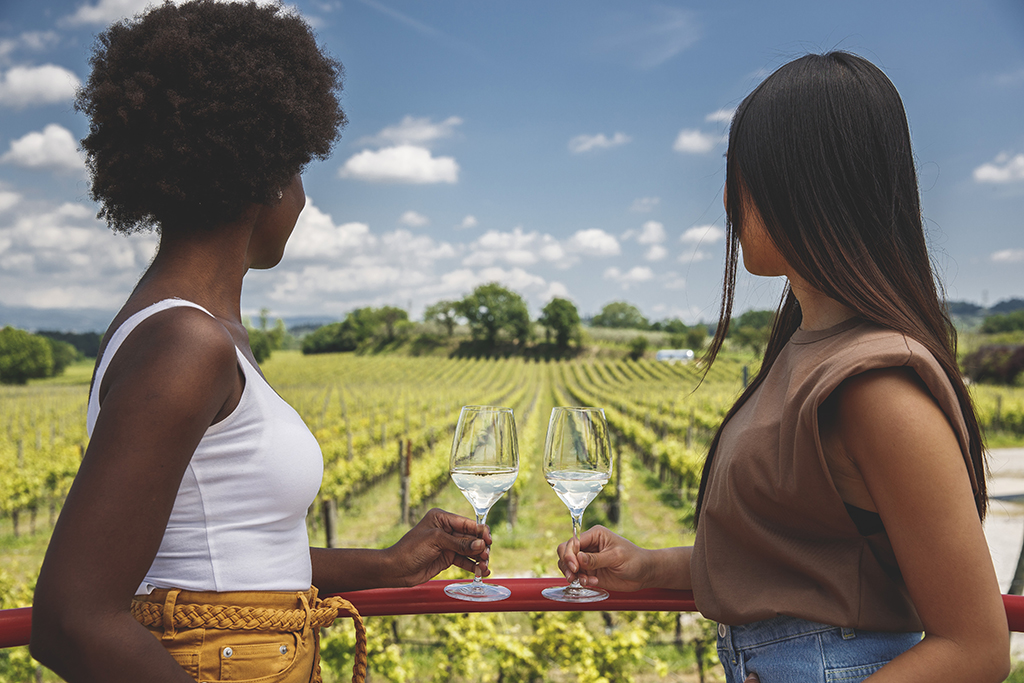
(790, 650)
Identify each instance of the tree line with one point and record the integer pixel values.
(25, 356)
(496, 316)
(497, 319)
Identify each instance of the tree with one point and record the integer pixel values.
(670, 325)
(696, 336)
(491, 309)
(23, 356)
(561, 318)
(638, 347)
(620, 314)
(755, 319)
(86, 343)
(444, 313)
(64, 354)
(996, 363)
(1003, 322)
(390, 317)
(754, 337)
(359, 327)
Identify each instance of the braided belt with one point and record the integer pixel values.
(320, 615)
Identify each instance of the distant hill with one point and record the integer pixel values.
(1008, 306)
(967, 315)
(59, 319)
(81, 320)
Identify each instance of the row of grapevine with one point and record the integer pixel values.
(41, 445)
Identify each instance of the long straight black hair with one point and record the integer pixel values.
(821, 148)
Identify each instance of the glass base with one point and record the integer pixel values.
(572, 593)
(476, 592)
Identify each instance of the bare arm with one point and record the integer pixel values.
(175, 375)
(911, 462)
(440, 540)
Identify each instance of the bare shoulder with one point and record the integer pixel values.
(181, 347)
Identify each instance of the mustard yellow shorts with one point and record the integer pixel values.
(258, 636)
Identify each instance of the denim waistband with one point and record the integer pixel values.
(773, 630)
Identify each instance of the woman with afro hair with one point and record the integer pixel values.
(190, 502)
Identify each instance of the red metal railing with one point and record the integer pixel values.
(429, 598)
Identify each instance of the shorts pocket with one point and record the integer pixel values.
(249, 661)
(852, 674)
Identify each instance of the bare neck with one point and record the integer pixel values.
(818, 311)
(202, 266)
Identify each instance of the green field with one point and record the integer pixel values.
(366, 410)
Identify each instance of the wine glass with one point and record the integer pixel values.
(577, 464)
(484, 464)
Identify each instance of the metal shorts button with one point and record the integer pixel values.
(228, 652)
(284, 649)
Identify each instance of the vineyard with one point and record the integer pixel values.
(385, 425)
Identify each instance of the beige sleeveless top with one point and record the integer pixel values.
(775, 537)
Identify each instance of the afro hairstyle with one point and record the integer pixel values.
(200, 110)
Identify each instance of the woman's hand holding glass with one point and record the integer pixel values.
(603, 558)
(441, 539)
(577, 465)
(484, 464)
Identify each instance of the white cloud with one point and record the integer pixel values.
(720, 116)
(593, 242)
(516, 279)
(586, 143)
(656, 253)
(330, 268)
(413, 219)
(694, 256)
(652, 232)
(702, 234)
(1008, 256)
(692, 141)
(644, 204)
(52, 149)
(8, 200)
(401, 164)
(413, 131)
(458, 283)
(31, 40)
(1003, 169)
(516, 248)
(555, 289)
(633, 276)
(61, 256)
(108, 11)
(23, 86)
(468, 222)
(673, 281)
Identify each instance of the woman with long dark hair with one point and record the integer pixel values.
(181, 552)
(840, 505)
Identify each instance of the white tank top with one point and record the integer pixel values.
(239, 519)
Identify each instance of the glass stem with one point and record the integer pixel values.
(477, 579)
(577, 523)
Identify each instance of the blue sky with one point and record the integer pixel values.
(570, 148)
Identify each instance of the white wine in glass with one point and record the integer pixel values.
(577, 465)
(484, 464)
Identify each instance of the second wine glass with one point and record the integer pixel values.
(484, 464)
(577, 465)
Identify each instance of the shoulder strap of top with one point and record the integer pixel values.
(116, 339)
